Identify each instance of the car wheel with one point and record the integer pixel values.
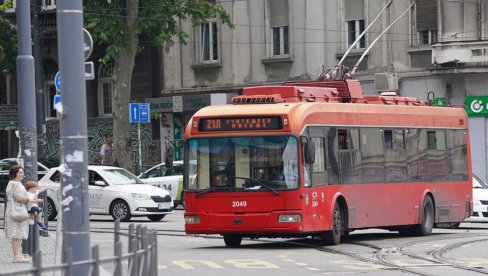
(156, 217)
(50, 210)
(182, 199)
(120, 210)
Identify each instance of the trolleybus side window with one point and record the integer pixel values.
(350, 162)
(318, 169)
(438, 155)
(395, 157)
(372, 155)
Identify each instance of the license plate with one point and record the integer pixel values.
(165, 205)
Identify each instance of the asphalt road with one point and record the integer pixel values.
(462, 251)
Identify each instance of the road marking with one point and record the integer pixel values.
(185, 264)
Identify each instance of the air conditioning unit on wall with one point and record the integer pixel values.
(385, 82)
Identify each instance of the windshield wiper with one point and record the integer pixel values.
(258, 181)
(209, 190)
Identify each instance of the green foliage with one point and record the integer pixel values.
(8, 45)
(7, 4)
(158, 21)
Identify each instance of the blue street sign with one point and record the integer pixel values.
(139, 113)
(57, 81)
(56, 100)
(144, 112)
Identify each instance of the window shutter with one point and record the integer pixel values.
(354, 9)
(426, 15)
(278, 13)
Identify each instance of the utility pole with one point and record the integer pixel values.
(26, 95)
(73, 132)
(40, 110)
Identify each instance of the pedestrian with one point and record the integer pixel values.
(106, 153)
(33, 205)
(16, 230)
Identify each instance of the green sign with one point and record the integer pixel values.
(439, 101)
(6, 124)
(476, 106)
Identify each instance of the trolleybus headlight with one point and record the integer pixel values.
(290, 218)
(192, 219)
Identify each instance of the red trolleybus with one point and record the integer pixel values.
(320, 159)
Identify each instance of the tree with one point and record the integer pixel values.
(8, 45)
(119, 24)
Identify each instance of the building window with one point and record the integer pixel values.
(279, 24)
(425, 26)
(354, 18)
(354, 30)
(105, 90)
(427, 37)
(209, 41)
(107, 96)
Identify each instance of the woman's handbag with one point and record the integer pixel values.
(18, 212)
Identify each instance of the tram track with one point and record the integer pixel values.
(435, 256)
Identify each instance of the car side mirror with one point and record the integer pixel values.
(100, 183)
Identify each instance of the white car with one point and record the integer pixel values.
(113, 191)
(480, 201)
(170, 179)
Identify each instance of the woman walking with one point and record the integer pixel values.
(16, 230)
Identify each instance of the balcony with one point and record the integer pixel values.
(467, 53)
(460, 57)
(46, 5)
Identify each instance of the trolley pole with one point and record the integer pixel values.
(73, 132)
(26, 95)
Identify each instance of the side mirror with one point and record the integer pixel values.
(309, 152)
(168, 158)
(100, 183)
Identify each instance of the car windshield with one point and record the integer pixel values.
(478, 183)
(236, 163)
(120, 177)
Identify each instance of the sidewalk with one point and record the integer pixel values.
(47, 246)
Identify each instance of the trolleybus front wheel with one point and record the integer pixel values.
(232, 240)
(427, 223)
(333, 237)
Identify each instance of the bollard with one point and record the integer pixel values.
(32, 242)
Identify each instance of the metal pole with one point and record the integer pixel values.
(40, 110)
(73, 132)
(140, 150)
(26, 95)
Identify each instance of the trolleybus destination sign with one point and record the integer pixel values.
(240, 123)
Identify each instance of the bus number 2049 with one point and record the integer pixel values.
(236, 204)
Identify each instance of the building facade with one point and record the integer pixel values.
(437, 49)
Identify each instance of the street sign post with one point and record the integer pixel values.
(139, 113)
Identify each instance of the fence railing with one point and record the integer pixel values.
(141, 258)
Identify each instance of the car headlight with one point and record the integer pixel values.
(140, 196)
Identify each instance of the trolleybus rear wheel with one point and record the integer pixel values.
(232, 240)
(427, 223)
(333, 237)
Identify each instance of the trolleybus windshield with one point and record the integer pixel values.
(242, 163)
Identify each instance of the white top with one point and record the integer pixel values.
(32, 195)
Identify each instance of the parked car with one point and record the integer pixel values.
(43, 166)
(480, 201)
(170, 179)
(114, 191)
